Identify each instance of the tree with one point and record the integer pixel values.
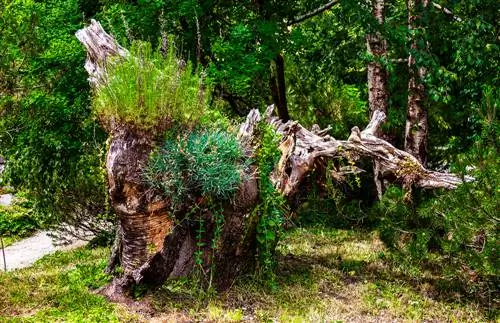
(417, 129)
(225, 241)
(52, 147)
(377, 74)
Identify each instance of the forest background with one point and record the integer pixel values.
(313, 65)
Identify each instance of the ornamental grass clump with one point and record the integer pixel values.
(146, 89)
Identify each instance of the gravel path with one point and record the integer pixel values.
(25, 252)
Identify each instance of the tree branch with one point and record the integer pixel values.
(447, 11)
(301, 148)
(313, 13)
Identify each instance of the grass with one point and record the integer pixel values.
(323, 275)
(59, 288)
(10, 240)
(146, 88)
(17, 221)
(326, 275)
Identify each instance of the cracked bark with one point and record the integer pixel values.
(377, 79)
(416, 129)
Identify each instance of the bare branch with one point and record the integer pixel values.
(313, 13)
(301, 148)
(447, 11)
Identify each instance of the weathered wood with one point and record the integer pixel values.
(100, 45)
(153, 249)
(303, 147)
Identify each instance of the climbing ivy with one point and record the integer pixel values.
(271, 209)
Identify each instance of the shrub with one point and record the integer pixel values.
(204, 163)
(17, 219)
(461, 223)
(146, 88)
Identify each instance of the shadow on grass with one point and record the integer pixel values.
(434, 284)
(323, 268)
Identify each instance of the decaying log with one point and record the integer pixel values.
(156, 244)
(301, 148)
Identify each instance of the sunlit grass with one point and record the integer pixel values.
(59, 288)
(324, 275)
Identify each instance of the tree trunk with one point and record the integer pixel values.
(278, 87)
(416, 130)
(377, 79)
(220, 244)
(377, 74)
(144, 220)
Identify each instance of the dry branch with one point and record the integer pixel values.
(301, 148)
(100, 45)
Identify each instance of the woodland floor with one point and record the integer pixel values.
(323, 275)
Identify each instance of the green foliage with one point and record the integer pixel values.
(325, 74)
(60, 288)
(18, 220)
(206, 163)
(52, 146)
(271, 209)
(461, 223)
(146, 89)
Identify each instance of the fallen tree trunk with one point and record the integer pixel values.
(156, 245)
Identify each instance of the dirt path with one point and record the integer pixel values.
(25, 252)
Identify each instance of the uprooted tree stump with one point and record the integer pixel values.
(154, 245)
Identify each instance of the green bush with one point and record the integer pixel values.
(462, 223)
(17, 220)
(145, 89)
(206, 163)
(52, 146)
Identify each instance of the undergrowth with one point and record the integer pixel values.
(17, 221)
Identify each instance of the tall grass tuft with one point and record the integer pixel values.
(146, 89)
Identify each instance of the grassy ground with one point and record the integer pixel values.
(323, 275)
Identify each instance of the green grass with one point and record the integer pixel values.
(326, 275)
(59, 288)
(146, 89)
(9, 240)
(323, 275)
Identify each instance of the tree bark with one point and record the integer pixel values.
(377, 73)
(278, 88)
(143, 219)
(416, 129)
(377, 79)
(222, 245)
